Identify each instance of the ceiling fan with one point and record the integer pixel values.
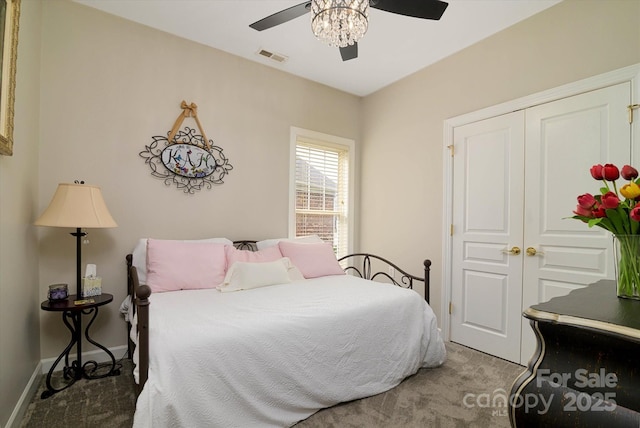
(342, 22)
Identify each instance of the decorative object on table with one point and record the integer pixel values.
(186, 159)
(58, 292)
(618, 211)
(91, 282)
(626, 257)
(77, 205)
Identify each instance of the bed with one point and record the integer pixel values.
(265, 349)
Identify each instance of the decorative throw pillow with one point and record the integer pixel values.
(175, 265)
(313, 260)
(267, 255)
(248, 275)
(140, 253)
(274, 242)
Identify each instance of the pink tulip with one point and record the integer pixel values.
(596, 172)
(586, 201)
(629, 173)
(584, 212)
(610, 172)
(610, 201)
(635, 214)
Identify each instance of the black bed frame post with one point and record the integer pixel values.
(142, 293)
(427, 273)
(130, 293)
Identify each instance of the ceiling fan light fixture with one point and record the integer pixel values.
(339, 23)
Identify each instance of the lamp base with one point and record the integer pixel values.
(78, 234)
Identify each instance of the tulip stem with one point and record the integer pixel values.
(628, 265)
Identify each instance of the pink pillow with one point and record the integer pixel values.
(313, 260)
(175, 265)
(270, 254)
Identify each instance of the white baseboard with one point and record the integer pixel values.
(98, 355)
(21, 407)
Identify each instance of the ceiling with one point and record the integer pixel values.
(394, 46)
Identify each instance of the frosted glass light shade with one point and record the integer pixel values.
(78, 206)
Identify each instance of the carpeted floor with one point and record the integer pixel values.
(454, 395)
(106, 403)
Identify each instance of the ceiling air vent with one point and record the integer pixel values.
(274, 56)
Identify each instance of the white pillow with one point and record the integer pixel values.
(140, 253)
(247, 275)
(273, 242)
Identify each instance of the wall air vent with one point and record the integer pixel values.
(273, 56)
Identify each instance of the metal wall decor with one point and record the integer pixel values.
(185, 158)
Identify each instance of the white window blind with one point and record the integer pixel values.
(322, 192)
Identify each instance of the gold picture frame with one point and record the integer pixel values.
(9, 18)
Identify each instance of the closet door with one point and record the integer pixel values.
(564, 139)
(516, 180)
(488, 204)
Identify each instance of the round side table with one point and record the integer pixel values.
(72, 309)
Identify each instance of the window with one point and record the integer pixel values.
(320, 196)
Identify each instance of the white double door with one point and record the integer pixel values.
(515, 182)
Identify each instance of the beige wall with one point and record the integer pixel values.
(108, 86)
(402, 129)
(19, 292)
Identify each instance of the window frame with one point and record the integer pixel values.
(330, 141)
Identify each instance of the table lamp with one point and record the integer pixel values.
(79, 206)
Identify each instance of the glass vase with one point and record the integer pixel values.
(626, 250)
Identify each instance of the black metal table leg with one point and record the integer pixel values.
(90, 372)
(72, 312)
(66, 369)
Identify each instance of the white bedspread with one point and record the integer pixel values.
(272, 356)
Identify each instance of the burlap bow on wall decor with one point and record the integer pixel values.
(188, 160)
(188, 110)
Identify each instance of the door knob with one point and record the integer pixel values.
(515, 251)
(532, 252)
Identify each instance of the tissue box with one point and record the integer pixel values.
(91, 287)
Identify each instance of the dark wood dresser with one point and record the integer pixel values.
(586, 368)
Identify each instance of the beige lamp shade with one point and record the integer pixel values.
(78, 206)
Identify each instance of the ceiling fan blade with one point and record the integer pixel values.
(282, 16)
(425, 9)
(349, 52)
